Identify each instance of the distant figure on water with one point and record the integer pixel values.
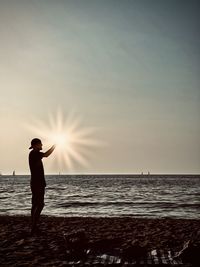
(37, 182)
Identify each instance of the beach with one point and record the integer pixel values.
(48, 248)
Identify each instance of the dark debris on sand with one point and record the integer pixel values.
(48, 247)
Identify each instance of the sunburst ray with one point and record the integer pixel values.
(73, 141)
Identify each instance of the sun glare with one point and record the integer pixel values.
(60, 139)
(73, 142)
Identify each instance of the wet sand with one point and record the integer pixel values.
(18, 248)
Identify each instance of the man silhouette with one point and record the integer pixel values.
(37, 182)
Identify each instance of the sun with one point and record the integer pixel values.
(74, 142)
(61, 140)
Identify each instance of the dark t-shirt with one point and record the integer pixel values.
(36, 168)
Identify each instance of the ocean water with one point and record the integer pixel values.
(155, 196)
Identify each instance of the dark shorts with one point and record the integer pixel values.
(38, 196)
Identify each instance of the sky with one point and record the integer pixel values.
(129, 70)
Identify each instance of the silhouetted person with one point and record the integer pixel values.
(37, 183)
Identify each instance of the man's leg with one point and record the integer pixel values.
(36, 215)
(34, 203)
(37, 207)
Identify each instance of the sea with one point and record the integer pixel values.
(147, 196)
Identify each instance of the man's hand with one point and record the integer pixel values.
(48, 152)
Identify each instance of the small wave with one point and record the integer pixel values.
(162, 205)
(4, 197)
(82, 204)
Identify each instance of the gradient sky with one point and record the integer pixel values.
(129, 68)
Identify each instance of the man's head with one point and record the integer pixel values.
(36, 144)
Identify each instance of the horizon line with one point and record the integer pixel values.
(141, 174)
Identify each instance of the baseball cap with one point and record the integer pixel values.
(35, 141)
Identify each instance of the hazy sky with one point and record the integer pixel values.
(130, 69)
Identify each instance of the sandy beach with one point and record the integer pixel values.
(18, 248)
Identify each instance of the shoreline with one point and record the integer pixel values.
(18, 248)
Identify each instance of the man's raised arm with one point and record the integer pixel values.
(48, 152)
